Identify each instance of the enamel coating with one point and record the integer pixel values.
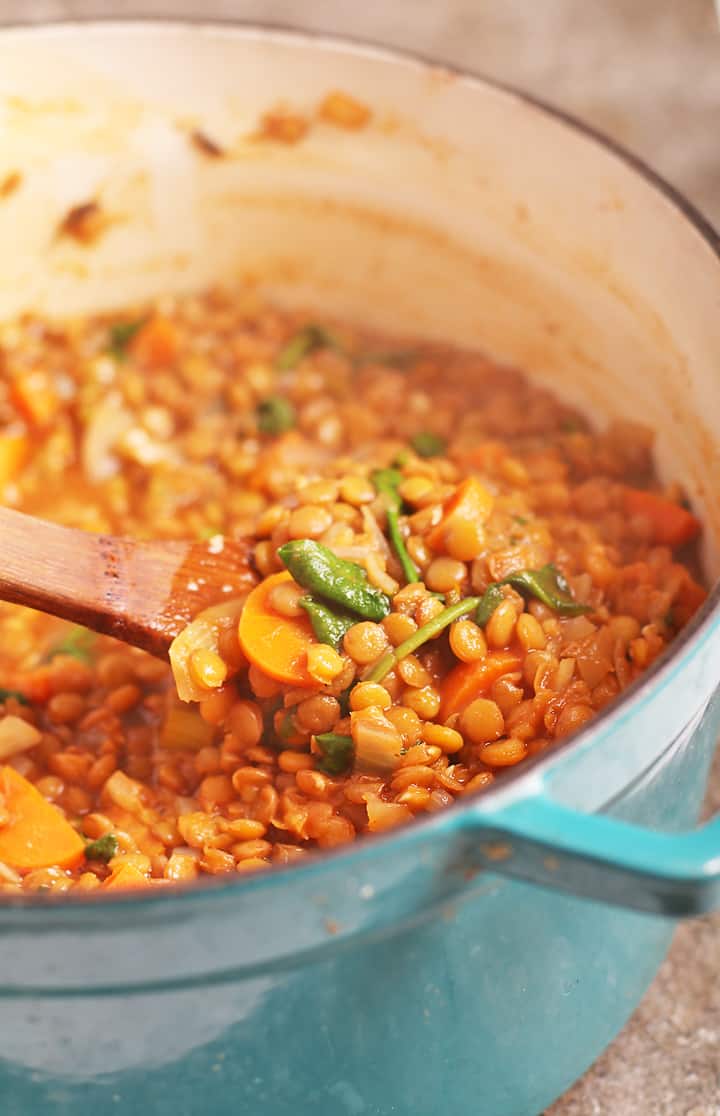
(427, 971)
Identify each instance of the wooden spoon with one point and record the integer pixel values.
(143, 593)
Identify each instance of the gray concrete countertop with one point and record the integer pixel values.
(648, 73)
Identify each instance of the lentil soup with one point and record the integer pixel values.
(454, 571)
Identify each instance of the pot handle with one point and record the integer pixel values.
(598, 857)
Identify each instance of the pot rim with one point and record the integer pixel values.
(661, 672)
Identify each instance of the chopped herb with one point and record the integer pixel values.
(78, 644)
(547, 584)
(401, 459)
(570, 426)
(489, 601)
(427, 444)
(120, 336)
(344, 700)
(6, 694)
(287, 728)
(344, 583)
(550, 587)
(105, 848)
(521, 520)
(428, 631)
(337, 752)
(329, 624)
(309, 339)
(275, 415)
(387, 483)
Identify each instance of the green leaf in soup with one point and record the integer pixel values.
(121, 334)
(489, 601)
(427, 444)
(549, 586)
(310, 338)
(78, 643)
(275, 415)
(337, 752)
(104, 848)
(328, 624)
(316, 568)
(5, 694)
(387, 484)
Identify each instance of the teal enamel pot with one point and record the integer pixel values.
(479, 960)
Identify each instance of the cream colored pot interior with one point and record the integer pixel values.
(459, 212)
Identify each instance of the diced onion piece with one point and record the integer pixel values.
(378, 744)
(16, 736)
(203, 633)
(385, 815)
(109, 423)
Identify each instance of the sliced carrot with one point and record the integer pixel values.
(36, 835)
(156, 344)
(470, 501)
(35, 397)
(128, 876)
(467, 681)
(14, 450)
(671, 524)
(276, 644)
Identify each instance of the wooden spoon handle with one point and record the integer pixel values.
(71, 573)
(141, 593)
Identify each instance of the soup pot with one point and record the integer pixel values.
(480, 959)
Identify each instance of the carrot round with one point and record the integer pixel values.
(35, 835)
(671, 524)
(470, 501)
(276, 644)
(467, 681)
(156, 343)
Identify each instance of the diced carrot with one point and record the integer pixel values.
(35, 685)
(156, 343)
(471, 501)
(14, 449)
(671, 524)
(33, 394)
(127, 876)
(36, 835)
(276, 644)
(467, 681)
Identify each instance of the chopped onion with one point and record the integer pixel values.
(16, 736)
(203, 633)
(385, 815)
(378, 744)
(111, 420)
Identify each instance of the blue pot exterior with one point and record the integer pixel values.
(420, 973)
(493, 1002)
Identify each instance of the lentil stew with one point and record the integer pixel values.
(454, 572)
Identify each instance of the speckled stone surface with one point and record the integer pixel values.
(648, 73)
